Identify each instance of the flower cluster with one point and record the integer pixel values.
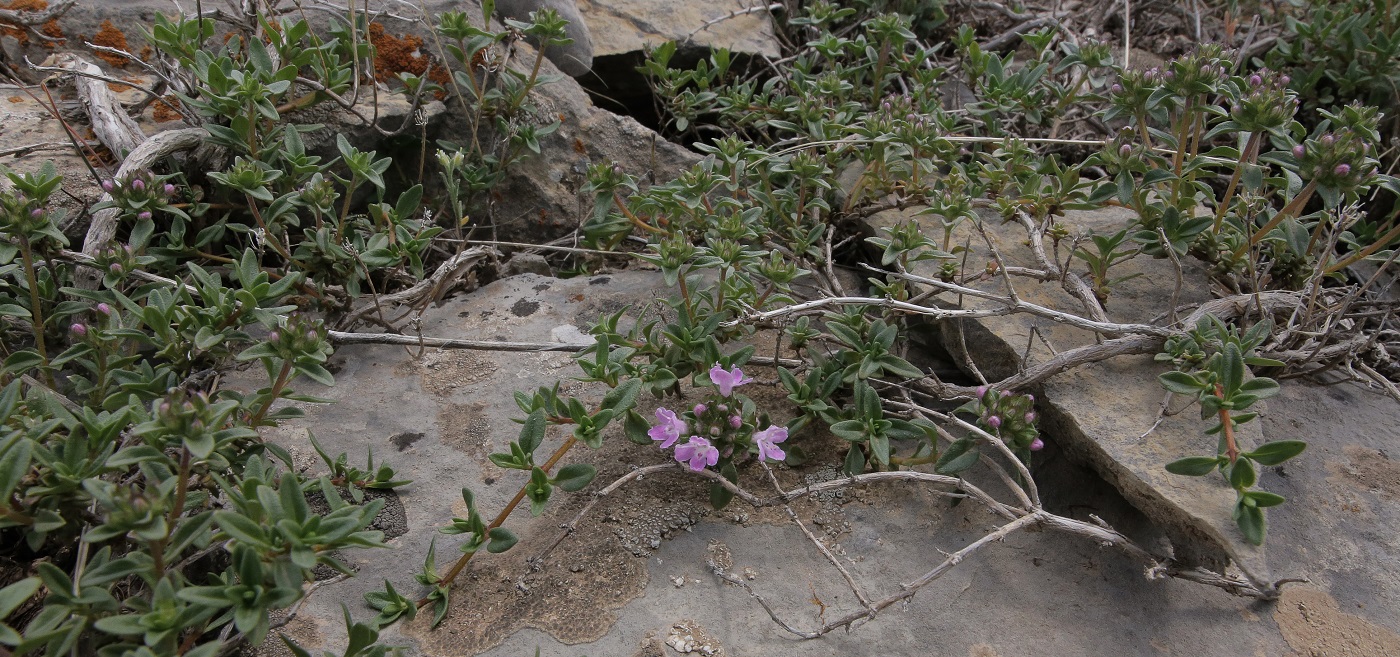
(140, 194)
(716, 429)
(1010, 417)
(1339, 159)
(1263, 102)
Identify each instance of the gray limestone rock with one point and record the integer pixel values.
(574, 59)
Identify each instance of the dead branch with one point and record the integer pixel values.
(117, 131)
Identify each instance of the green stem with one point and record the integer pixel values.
(1291, 209)
(1375, 246)
(530, 83)
(36, 309)
(272, 395)
(501, 517)
(1246, 157)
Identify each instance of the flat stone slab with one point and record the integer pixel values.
(634, 580)
(1102, 412)
(623, 26)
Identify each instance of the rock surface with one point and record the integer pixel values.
(1102, 412)
(611, 588)
(624, 26)
(574, 59)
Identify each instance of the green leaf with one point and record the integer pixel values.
(1180, 383)
(241, 528)
(502, 539)
(1194, 466)
(959, 456)
(574, 477)
(720, 496)
(1277, 452)
(622, 397)
(1242, 474)
(1251, 522)
(855, 461)
(1263, 499)
(532, 433)
(636, 427)
(14, 595)
(852, 430)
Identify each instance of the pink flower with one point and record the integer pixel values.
(727, 381)
(994, 422)
(698, 452)
(981, 391)
(768, 440)
(668, 428)
(1037, 445)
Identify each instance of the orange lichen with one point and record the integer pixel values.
(16, 99)
(49, 29)
(111, 37)
(394, 55)
(164, 109)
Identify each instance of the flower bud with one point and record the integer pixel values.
(145, 215)
(700, 409)
(105, 309)
(1328, 139)
(116, 268)
(994, 422)
(1300, 150)
(1116, 88)
(1030, 417)
(108, 186)
(1284, 80)
(78, 330)
(1342, 169)
(1255, 80)
(723, 408)
(1030, 398)
(1125, 150)
(274, 336)
(169, 189)
(981, 391)
(1037, 445)
(735, 421)
(138, 185)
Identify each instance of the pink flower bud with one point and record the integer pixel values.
(1125, 150)
(1037, 445)
(1342, 169)
(105, 309)
(36, 213)
(1284, 79)
(78, 330)
(1328, 139)
(700, 409)
(723, 408)
(169, 189)
(138, 185)
(1116, 88)
(145, 215)
(1030, 417)
(1030, 398)
(981, 391)
(274, 336)
(1255, 80)
(1300, 150)
(108, 186)
(116, 268)
(735, 421)
(994, 422)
